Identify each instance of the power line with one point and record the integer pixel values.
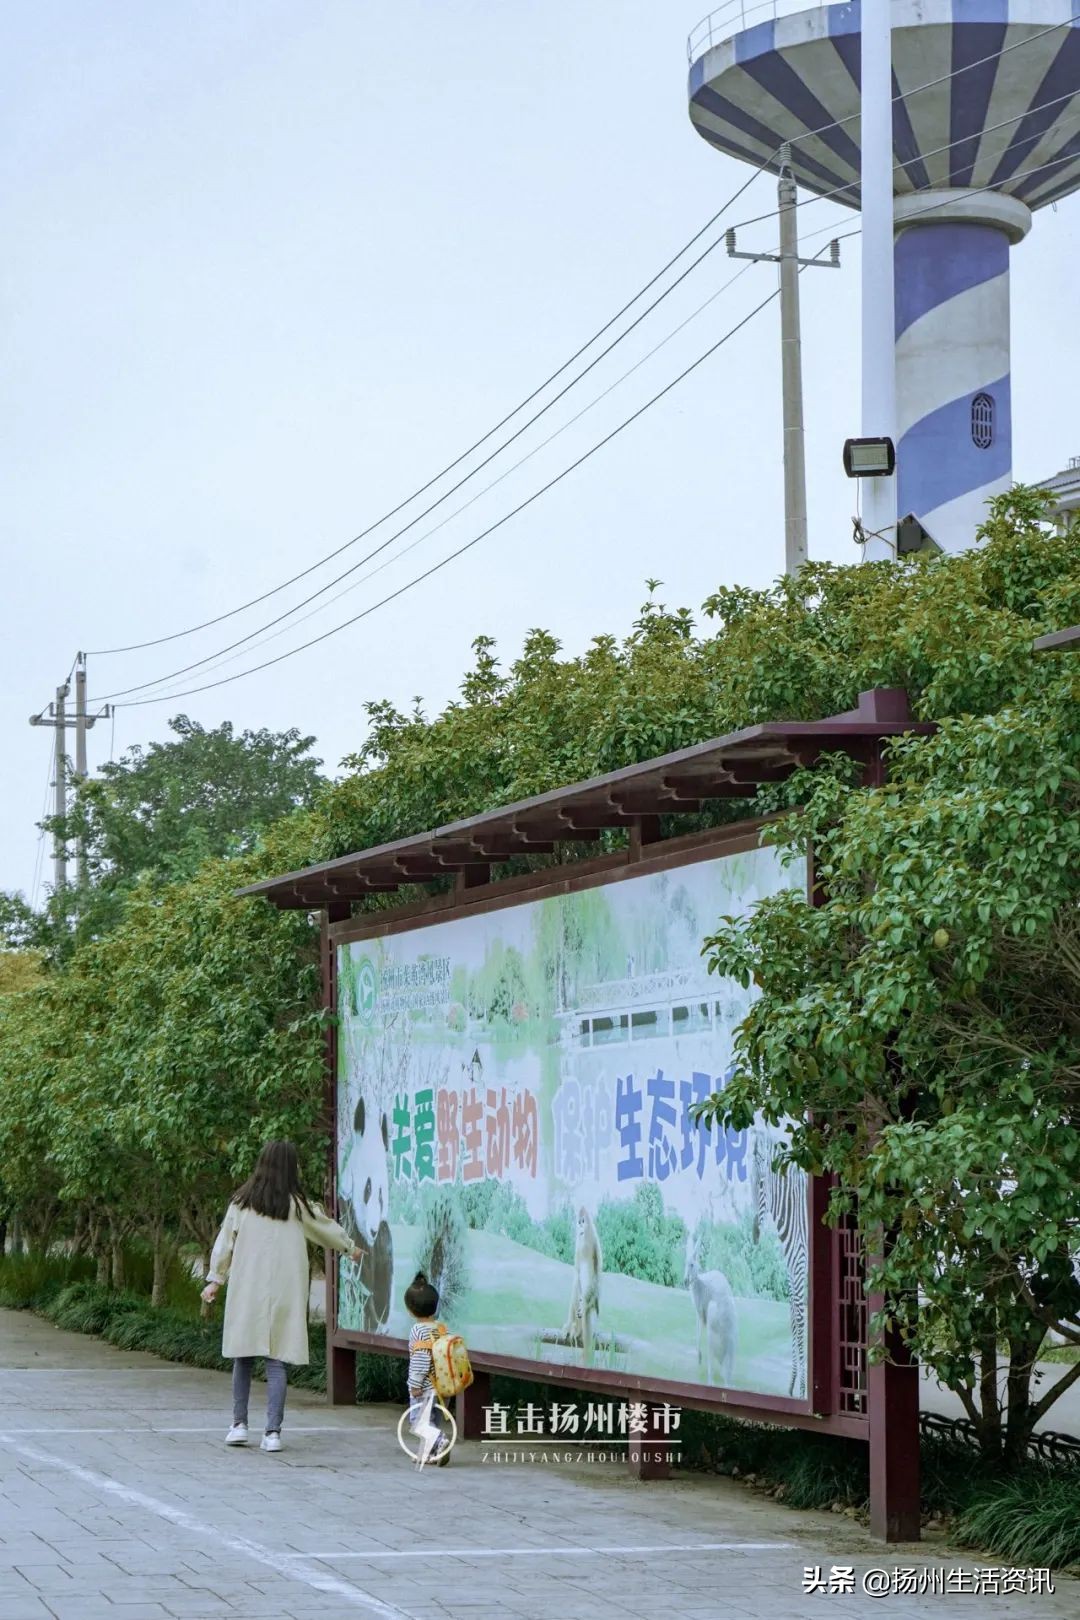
(215, 659)
(40, 852)
(220, 660)
(255, 600)
(460, 551)
(484, 533)
(198, 663)
(762, 166)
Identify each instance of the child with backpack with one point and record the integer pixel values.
(438, 1368)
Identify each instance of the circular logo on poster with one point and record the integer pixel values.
(367, 990)
(443, 1449)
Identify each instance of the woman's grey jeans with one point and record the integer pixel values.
(276, 1385)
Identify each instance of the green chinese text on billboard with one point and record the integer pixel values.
(515, 1092)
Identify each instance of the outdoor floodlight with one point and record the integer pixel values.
(869, 458)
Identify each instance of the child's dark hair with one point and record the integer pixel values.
(421, 1297)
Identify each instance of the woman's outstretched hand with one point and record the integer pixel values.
(210, 1293)
(357, 1255)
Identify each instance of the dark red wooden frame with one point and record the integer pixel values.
(878, 1403)
(819, 1410)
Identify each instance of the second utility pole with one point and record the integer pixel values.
(60, 791)
(795, 551)
(81, 725)
(791, 373)
(56, 716)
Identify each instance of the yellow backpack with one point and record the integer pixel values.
(450, 1369)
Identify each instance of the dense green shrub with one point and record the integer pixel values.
(26, 1279)
(751, 1268)
(640, 1240)
(1031, 1517)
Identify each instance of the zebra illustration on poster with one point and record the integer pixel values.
(783, 1198)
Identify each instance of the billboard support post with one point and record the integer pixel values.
(892, 1387)
(647, 1454)
(893, 1412)
(469, 1407)
(340, 1359)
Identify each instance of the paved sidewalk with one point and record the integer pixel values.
(119, 1502)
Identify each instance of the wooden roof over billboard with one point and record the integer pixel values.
(1058, 638)
(730, 767)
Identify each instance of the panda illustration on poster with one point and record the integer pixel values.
(365, 1198)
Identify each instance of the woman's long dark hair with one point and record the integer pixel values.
(273, 1187)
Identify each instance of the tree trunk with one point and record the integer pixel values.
(38, 1230)
(3, 1236)
(990, 1436)
(117, 1260)
(98, 1249)
(162, 1256)
(1021, 1420)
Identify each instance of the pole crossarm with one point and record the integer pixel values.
(831, 263)
(57, 716)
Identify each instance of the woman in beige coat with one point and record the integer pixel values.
(262, 1250)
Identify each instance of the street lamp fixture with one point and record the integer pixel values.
(869, 458)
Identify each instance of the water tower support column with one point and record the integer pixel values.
(953, 394)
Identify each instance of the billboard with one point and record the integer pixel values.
(514, 1088)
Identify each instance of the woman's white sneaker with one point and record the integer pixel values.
(237, 1435)
(271, 1442)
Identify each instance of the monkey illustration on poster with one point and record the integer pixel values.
(585, 1295)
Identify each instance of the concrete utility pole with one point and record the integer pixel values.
(60, 790)
(81, 726)
(878, 317)
(56, 716)
(795, 551)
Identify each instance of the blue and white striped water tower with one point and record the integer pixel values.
(986, 129)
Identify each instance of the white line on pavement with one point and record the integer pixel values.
(215, 1428)
(551, 1552)
(279, 1563)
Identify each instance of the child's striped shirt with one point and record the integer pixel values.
(421, 1378)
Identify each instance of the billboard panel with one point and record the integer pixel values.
(514, 1095)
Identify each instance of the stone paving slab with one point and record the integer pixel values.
(118, 1501)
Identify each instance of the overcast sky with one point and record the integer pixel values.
(271, 264)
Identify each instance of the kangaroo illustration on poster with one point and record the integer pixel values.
(714, 1305)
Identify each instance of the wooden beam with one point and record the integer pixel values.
(420, 869)
(559, 833)
(457, 854)
(315, 896)
(654, 802)
(599, 814)
(757, 771)
(473, 876)
(712, 787)
(501, 846)
(646, 830)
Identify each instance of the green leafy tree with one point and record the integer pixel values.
(922, 1023)
(20, 924)
(156, 814)
(180, 1026)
